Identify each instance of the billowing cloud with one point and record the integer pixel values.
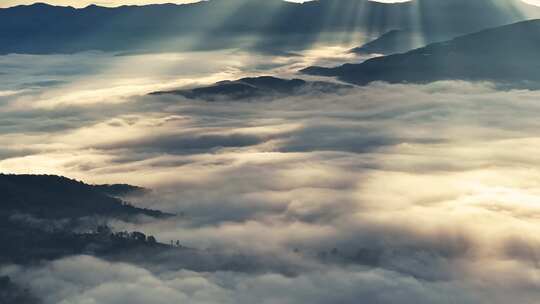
(88, 280)
(384, 193)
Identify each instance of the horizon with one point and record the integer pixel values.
(119, 3)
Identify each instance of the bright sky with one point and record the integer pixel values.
(83, 3)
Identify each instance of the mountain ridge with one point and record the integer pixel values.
(57, 197)
(254, 87)
(47, 29)
(506, 54)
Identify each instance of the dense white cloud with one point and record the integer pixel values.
(409, 193)
(83, 279)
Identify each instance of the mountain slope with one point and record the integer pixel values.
(55, 197)
(44, 217)
(507, 54)
(42, 28)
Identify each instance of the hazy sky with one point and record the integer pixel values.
(83, 3)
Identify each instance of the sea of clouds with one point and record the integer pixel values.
(379, 194)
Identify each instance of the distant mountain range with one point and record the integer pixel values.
(254, 87)
(506, 55)
(271, 24)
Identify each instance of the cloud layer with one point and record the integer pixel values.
(384, 194)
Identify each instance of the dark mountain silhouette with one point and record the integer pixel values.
(271, 24)
(55, 197)
(255, 87)
(506, 55)
(28, 240)
(45, 217)
(392, 42)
